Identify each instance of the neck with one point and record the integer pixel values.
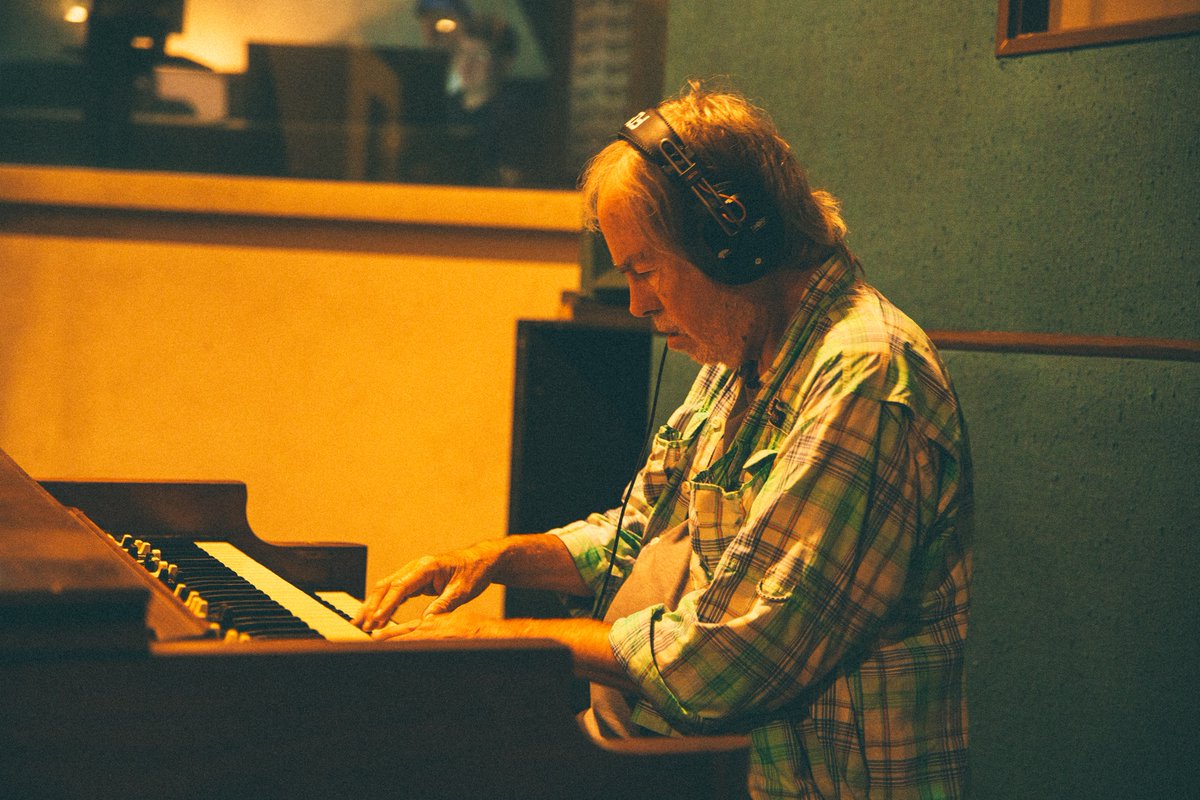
(751, 376)
(776, 296)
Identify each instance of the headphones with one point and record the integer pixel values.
(741, 233)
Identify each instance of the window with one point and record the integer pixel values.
(481, 92)
(1029, 26)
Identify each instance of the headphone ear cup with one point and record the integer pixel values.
(743, 257)
(736, 236)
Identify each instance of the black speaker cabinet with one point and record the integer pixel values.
(579, 422)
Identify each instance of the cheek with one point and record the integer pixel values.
(667, 286)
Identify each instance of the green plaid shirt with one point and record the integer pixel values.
(831, 564)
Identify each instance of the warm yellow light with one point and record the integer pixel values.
(76, 13)
(445, 25)
(142, 42)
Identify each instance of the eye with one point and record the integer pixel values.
(632, 274)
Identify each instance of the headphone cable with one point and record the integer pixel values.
(612, 553)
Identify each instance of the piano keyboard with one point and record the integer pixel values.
(246, 596)
(328, 623)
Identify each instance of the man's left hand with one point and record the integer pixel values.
(455, 625)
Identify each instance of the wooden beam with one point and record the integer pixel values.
(1068, 344)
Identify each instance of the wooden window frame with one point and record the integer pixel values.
(1013, 40)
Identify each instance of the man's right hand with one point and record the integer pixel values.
(452, 578)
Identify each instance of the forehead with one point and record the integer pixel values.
(613, 207)
(623, 230)
(469, 47)
(630, 213)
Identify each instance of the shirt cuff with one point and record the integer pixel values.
(588, 542)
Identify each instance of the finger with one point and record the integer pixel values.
(438, 606)
(456, 593)
(371, 602)
(393, 631)
(442, 604)
(407, 585)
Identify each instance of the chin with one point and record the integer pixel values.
(697, 351)
(700, 355)
(681, 344)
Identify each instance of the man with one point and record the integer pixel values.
(794, 558)
(486, 115)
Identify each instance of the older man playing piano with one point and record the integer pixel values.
(792, 561)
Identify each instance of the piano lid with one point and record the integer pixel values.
(60, 587)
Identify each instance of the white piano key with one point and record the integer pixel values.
(343, 601)
(321, 619)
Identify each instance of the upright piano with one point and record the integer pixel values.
(152, 645)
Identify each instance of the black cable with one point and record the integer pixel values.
(597, 612)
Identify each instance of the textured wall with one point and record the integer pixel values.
(1083, 631)
(1051, 193)
(358, 379)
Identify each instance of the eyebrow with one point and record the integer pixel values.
(629, 263)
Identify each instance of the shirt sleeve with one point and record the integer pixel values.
(812, 575)
(589, 542)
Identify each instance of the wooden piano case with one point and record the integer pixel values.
(101, 698)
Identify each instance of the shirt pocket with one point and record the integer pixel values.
(716, 514)
(668, 455)
(780, 580)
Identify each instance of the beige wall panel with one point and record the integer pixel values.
(361, 396)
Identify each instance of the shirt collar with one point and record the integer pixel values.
(823, 286)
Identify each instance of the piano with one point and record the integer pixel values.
(114, 683)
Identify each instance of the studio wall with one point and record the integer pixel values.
(1051, 193)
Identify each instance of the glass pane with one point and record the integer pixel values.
(430, 91)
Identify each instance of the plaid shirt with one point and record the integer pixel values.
(831, 559)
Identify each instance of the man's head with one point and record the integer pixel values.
(655, 228)
(737, 145)
(483, 55)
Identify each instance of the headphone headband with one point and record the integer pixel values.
(741, 239)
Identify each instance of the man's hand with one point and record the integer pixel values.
(452, 578)
(527, 561)
(461, 624)
(587, 639)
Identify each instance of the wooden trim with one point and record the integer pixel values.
(292, 233)
(1016, 44)
(291, 198)
(586, 310)
(1068, 344)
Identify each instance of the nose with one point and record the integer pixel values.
(642, 300)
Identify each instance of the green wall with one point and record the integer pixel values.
(1058, 193)
(1049, 192)
(1084, 638)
